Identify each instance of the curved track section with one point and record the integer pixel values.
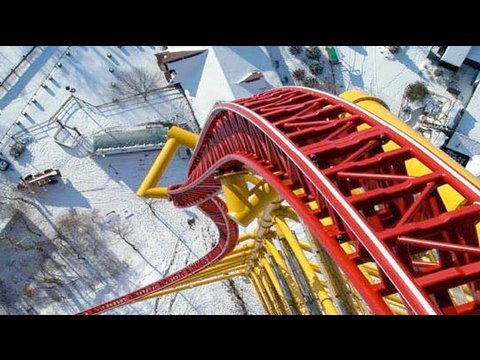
(353, 172)
(228, 236)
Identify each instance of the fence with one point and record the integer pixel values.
(14, 75)
(70, 106)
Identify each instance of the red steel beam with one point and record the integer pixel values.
(429, 244)
(260, 133)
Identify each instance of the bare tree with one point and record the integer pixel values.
(138, 81)
(81, 230)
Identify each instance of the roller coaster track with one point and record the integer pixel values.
(386, 192)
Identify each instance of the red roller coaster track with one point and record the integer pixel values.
(303, 138)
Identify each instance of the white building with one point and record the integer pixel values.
(209, 74)
(456, 56)
(466, 139)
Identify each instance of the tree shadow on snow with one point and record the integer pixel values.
(37, 271)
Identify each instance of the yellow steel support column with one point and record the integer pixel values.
(216, 271)
(244, 205)
(264, 225)
(183, 137)
(241, 248)
(313, 281)
(335, 279)
(260, 295)
(280, 262)
(235, 189)
(275, 282)
(235, 256)
(148, 187)
(255, 274)
(176, 137)
(287, 212)
(246, 237)
(267, 285)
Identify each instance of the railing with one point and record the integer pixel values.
(8, 82)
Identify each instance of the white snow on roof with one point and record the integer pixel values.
(463, 144)
(215, 75)
(469, 127)
(453, 114)
(474, 54)
(455, 55)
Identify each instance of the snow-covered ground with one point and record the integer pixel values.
(89, 238)
(375, 70)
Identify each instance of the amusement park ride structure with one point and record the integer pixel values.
(355, 212)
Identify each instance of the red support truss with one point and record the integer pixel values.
(303, 138)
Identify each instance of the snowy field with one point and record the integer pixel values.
(89, 238)
(375, 70)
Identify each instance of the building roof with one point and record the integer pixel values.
(474, 54)
(254, 75)
(455, 55)
(463, 144)
(468, 129)
(223, 73)
(168, 57)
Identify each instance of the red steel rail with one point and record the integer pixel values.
(302, 138)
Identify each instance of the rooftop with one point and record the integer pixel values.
(167, 57)
(456, 55)
(468, 129)
(222, 73)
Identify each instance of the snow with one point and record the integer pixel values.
(466, 138)
(469, 123)
(215, 74)
(52, 275)
(456, 55)
(128, 242)
(10, 57)
(378, 72)
(474, 165)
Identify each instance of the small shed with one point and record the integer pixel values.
(454, 56)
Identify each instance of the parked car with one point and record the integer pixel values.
(41, 179)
